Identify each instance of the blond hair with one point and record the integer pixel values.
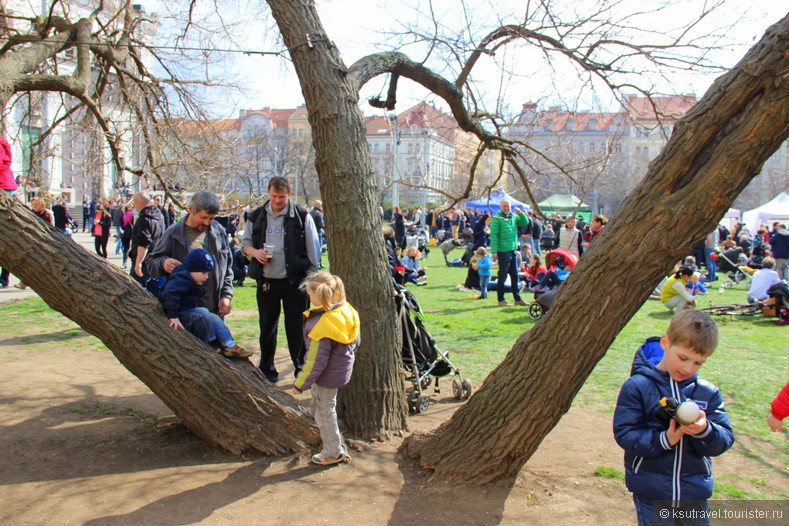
(328, 287)
(481, 252)
(418, 254)
(694, 329)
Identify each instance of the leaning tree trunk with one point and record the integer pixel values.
(712, 155)
(373, 405)
(223, 401)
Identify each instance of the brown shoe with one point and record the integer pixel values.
(236, 352)
(504, 304)
(521, 303)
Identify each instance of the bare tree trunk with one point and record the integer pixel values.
(712, 155)
(373, 405)
(223, 401)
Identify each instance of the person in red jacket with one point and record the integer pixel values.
(779, 409)
(7, 181)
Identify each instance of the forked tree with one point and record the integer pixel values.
(714, 151)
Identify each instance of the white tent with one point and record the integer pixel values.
(775, 210)
(732, 217)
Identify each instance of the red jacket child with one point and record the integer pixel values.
(780, 409)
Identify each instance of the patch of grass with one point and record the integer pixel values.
(79, 410)
(724, 491)
(609, 473)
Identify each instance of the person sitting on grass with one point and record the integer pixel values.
(413, 272)
(180, 296)
(535, 271)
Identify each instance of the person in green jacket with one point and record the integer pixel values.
(504, 245)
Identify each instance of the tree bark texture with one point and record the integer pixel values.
(711, 156)
(373, 405)
(223, 401)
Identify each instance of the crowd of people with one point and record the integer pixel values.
(510, 242)
(762, 258)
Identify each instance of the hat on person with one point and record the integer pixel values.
(198, 260)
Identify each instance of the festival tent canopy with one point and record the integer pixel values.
(565, 204)
(775, 210)
(732, 217)
(492, 203)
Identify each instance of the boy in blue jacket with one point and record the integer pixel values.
(667, 466)
(183, 288)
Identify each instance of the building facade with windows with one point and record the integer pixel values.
(600, 157)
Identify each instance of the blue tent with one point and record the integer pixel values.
(491, 203)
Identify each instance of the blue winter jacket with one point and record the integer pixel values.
(181, 292)
(654, 469)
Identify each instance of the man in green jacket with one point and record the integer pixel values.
(504, 244)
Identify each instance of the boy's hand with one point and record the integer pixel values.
(175, 323)
(295, 391)
(696, 427)
(674, 432)
(775, 424)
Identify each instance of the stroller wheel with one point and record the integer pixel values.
(422, 404)
(457, 389)
(535, 311)
(466, 391)
(425, 382)
(728, 285)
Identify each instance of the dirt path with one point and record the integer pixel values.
(84, 442)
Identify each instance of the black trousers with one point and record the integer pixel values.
(281, 294)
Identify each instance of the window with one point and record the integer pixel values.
(592, 124)
(570, 124)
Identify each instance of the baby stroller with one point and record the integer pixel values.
(422, 359)
(417, 237)
(735, 272)
(558, 258)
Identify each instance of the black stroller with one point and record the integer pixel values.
(422, 359)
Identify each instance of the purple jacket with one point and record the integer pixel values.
(331, 338)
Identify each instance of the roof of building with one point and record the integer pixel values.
(642, 108)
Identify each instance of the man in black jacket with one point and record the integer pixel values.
(283, 246)
(148, 228)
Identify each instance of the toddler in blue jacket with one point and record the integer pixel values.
(667, 463)
(184, 287)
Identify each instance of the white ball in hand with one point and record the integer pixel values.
(688, 412)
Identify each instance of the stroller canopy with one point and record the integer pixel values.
(570, 259)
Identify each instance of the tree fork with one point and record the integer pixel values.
(225, 402)
(714, 151)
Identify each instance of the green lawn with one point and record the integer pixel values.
(750, 365)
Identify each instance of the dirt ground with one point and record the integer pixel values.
(85, 442)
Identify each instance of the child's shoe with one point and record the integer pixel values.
(236, 352)
(324, 460)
